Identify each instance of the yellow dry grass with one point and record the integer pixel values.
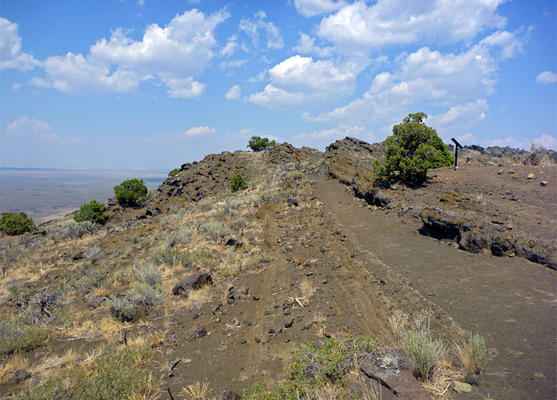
(14, 363)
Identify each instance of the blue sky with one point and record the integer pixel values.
(154, 84)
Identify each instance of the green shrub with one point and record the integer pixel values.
(74, 230)
(423, 352)
(257, 143)
(296, 174)
(122, 309)
(170, 256)
(131, 192)
(214, 230)
(411, 150)
(93, 212)
(16, 223)
(19, 337)
(238, 183)
(174, 172)
(148, 273)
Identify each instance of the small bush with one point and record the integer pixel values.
(17, 337)
(170, 256)
(296, 174)
(146, 294)
(238, 183)
(122, 309)
(16, 223)
(174, 172)
(75, 230)
(131, 192)
(472, 353)
(418, 344)
(148, 273)
(257, 143)
(411, 150)
(93, 253)
(93, 212)
(214, 230)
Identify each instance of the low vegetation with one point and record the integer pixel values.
(472, 353)
(16, 336)
(111, 372)
(131, 192)
(238, 183)
(174, 172)
(257, 143)
(16, 223)
(93, 212)
(411, 150)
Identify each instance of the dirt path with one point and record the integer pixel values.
(510, 301)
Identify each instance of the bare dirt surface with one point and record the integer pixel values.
(510, 301)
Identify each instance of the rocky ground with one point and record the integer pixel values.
(224, 288)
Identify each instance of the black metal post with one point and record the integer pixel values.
(456, 147)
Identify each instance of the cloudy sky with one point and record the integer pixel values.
(154, 84)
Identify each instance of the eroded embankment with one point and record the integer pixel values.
(510, 301)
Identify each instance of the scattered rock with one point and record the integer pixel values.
(400, 382)
(292, 202)
(228, 394)
(192, 282)
(244, 290)
(233, 242)
(531, 176)
(289, 322)
(21, 375)
(471, 380)
(544, 183)
(461, 387)
(196, 332)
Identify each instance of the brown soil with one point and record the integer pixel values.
(510, 301)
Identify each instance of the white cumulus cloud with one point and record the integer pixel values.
(301, 80)
(546, 77)
(306, 45)
(11, 55)
(174, 54)
(458, 80)
(258, 27)
(395, 22)
(309, 8)
(233, 93)
(199, 130)
(31, 129)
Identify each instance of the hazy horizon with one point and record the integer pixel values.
(45, 194)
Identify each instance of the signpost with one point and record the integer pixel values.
(456, 147)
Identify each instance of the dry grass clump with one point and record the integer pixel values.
(416, 341)
(472, 353)
(197, 391)
(110, 372)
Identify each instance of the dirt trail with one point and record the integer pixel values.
(510, 301)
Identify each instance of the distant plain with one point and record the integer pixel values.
(47, 194)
